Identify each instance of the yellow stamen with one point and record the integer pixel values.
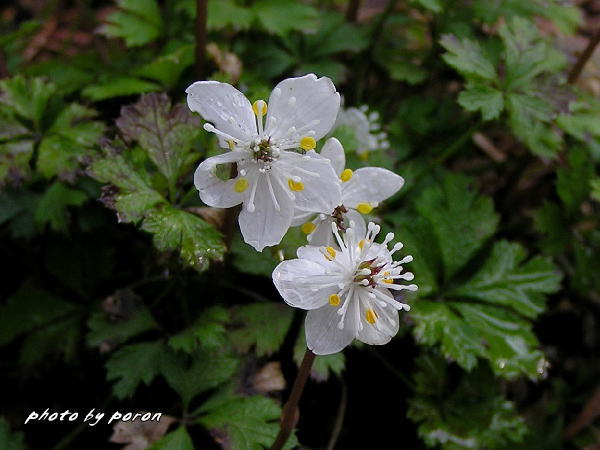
(386, 274)
(346, 175)
(330, 255)
(308, 143)
(259, 104)
(364, 156)
(389, 281)
(308, 227)
(364, 208)
(240, 185)
(334, 300)
(231, 144)
(361, 244)
(371, 316)
(295, 185)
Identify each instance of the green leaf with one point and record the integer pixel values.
(53, 204)
(460, 218)
(119, 330)
(29, 98)
(165, 133)
(573, 183)
(134, 196)
(58, 155)
(9, 440)
(14, 160)
(470, 412)
(280, 17)
(58, 338)
(595, 187)
(138, 22)
(549, 220)
(176, 440)
(480, 97)
(204, 370)
(132, 365)
(263, 325)
(207, 332)
(432, 5)
(323, 365)
(28, 309)
(467, 57)
(251, 423)
(226, 13)
(506, 279)
(168, 67)
(119, 87)
(174, 229)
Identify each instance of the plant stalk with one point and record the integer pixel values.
(290, 413)
(583, 58)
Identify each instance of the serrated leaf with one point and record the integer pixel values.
(165, 133)
(251, 423)
(226, 13)
(279, 17)
(550, 222)
(467, 57)
(573, 183)
(472, 413)
(14, 160)
(132, 365)
(175, 229)
(207, 332)
(138, 22)
(58, 338)
(30, 308)
(480, 97)
(176, 440)
(52, 206)
(506, 279)
(8, 439)
(263, 325)
(27, 97)
(206, 369)
(460, 218)
(167, 68)
(323, 365)
(119, 330)
(119, 87)
(432, 5)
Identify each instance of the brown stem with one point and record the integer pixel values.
(201, 15)
(352, 11)
(583, 58)
(289, 415)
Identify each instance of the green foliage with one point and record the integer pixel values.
(208, 332)
(120, 329)
(243, 422)
(52, 206)
(132, 365)
(35, 120)
(176, 440)
(472, 413)
(138, 22)
(8, 440)
(324, 365)
(263, 325)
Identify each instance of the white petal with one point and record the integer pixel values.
(323, 336)
(385, 327)
(370, 185)
(313, 253)
(301, 217)
(334, 152)
(213, 190)
(358, 221)
(292, 279)
(322, 236)
(322, 192)
(225, 107)
(265, 226)
(300, 102)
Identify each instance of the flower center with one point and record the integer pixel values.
(264, 154)
(367, 270)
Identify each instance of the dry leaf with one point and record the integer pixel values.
(140, 435)
(269, 378)
(227, 62)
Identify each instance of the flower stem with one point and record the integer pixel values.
(583, 58)
(201, 15)
(289, 415)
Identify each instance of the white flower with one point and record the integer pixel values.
(271, 181)
(346, 290)
(362, 190)
(366, 127)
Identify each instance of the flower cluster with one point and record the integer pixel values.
(343, 276)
